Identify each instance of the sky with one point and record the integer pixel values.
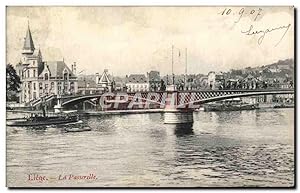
(127, 40)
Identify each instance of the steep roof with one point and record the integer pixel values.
(137, 78)
(56, 68)
(37, 53)
(28, 43)
(104, 78)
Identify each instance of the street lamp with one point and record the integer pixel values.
(83, 79)
(83, 103)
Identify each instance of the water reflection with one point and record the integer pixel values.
(181, 130)
(41, 130)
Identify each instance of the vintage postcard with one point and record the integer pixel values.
(150, 96)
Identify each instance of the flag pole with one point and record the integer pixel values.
(185, 79)
(172, 64)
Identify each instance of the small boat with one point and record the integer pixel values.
(283, 105)
(78, 122)
(41, 120)
(200, 109)
(230, 105)
(78, 129)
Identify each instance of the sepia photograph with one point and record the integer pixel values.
(150, 96)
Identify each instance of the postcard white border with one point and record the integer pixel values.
(5, 3)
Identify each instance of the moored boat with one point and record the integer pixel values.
(40, 120)
(78, 129)
(230, 105)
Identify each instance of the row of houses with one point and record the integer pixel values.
(131, 83)
(225, 81)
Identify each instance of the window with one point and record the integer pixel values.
(33, 62)
(65, 76)
(46, 76)
(34, 73)
(28, 73)
(34, 87)
(72, 86)
(59, 86)
(52, 85)
(41, 86)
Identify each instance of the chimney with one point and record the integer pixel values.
(97, 78)
(74, 68)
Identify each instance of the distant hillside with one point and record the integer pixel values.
(287, 64)
(280, 69)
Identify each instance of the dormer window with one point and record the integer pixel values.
(46, 76)
(66, 75)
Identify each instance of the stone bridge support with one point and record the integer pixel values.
(173, 114)
(58, 107)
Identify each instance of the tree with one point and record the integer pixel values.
(12, 83)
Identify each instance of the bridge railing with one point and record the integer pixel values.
(236, 90)
(181, 91)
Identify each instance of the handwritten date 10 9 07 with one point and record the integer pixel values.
(241, 12)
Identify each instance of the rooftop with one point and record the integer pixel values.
(56, 68)
(137, 78)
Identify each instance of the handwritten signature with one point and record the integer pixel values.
(263, 33)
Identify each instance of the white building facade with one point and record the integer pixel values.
(137, 83)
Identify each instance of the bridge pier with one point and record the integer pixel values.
(178, 117)
(58, 108)
(173, 114)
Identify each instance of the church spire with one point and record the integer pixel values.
(28, 47)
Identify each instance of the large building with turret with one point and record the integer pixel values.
(43, 78)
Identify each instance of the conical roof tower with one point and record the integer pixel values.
(28, 47)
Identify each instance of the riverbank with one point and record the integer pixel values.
(22, 111)
(120, 112)
(274, 105)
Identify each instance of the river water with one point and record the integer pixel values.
(247, 148)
